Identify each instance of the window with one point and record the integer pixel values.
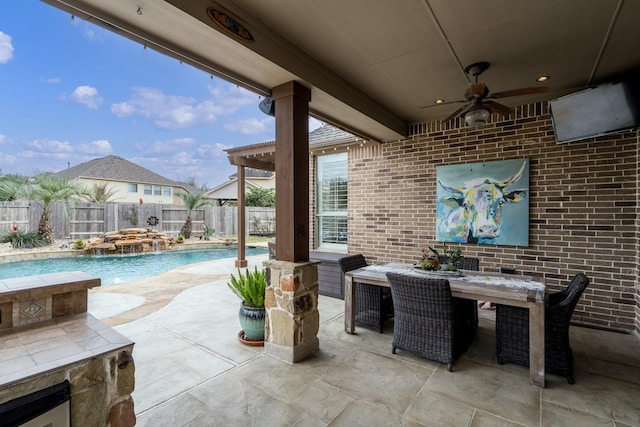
(157, 190)
(133, 188)
(331, 209)
(147, 189)
(166, 191)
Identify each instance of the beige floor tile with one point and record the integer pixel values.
(557, 416)
(362, 413)
(485, 419)
(321, 400)
(598, 396)
(162, 389)
(378, 379)
(176, 412)
(433, 409)
(506, 394)
(241, 404)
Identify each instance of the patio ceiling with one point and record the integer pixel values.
(374, 68)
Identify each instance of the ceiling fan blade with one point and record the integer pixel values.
(455, 113)
(499, 108)
(517, 92)
(444, 103)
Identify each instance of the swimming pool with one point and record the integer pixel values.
(118, 269)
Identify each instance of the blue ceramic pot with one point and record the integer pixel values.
(252, 322)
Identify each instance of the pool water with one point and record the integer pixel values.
(118, 269)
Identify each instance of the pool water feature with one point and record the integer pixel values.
(118, 269)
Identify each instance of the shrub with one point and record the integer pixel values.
(23, 239)
(208, 232)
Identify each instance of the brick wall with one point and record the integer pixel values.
(583, 206)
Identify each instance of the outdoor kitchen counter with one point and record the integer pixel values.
(46, 346)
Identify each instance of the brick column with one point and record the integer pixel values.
(291, 303)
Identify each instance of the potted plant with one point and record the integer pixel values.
(78, 244)
(250, 287)
(451, 258)
(429, 262)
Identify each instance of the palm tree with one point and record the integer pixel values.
(48, 189)
(192, 202)
(13, 187)
(101, 193)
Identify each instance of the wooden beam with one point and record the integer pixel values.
(252, 163)
(292, 171)
(241, 261)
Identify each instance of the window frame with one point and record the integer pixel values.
(339, 195)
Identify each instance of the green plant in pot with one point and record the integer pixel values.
(250, 287)
(451, 258)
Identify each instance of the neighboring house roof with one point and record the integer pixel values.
(251, 173)
(115, 168)
(192, 189)
(228, 190)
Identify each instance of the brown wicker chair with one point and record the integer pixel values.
(428, 321)
(512, 330)
(373, 303)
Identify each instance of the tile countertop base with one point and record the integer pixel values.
(47, 336)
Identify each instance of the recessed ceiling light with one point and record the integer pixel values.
(439, 101)
(543, 78)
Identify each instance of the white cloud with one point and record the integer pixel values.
(6, 48)
(122, 109)
(2, 138)
(231, 98)
(180, 112)
(87, 96)
(251, 126)
(49, 146)
(207, 151)
(165, 147)
(51, 80)
(89, 33)
(167, 111)
(100, 147)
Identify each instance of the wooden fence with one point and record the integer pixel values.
(85, 220)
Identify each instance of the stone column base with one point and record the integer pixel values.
(291, 303)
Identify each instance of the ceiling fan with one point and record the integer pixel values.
(480, 104)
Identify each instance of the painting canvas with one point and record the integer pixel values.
(485, 203)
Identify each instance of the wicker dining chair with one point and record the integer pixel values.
(466, 263)
(428, 321)
(512, 330)
(373, 303)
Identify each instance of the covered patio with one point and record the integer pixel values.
(395, 75)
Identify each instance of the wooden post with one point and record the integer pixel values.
(292, 171)
(241, 261)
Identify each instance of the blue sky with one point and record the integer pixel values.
(71, 91)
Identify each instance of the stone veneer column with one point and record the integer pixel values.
(291, 303)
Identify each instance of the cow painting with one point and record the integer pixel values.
(474, 200)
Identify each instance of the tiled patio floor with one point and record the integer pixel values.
(192, 371)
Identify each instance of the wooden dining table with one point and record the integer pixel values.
(514, 290)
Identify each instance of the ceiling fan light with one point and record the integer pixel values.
(477, 117)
